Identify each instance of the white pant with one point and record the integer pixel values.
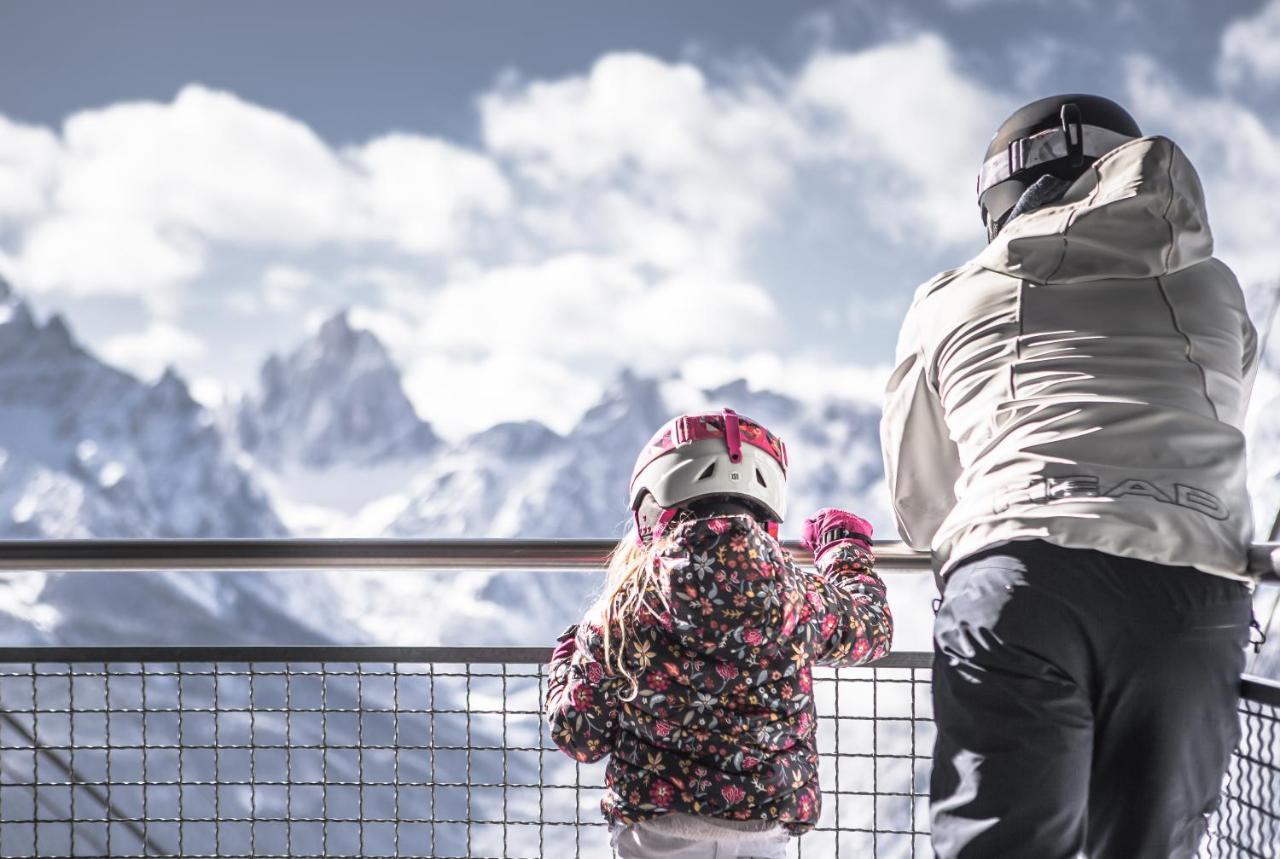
(640, 842)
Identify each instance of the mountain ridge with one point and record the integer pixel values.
(331, 444)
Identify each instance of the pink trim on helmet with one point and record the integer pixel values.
(690, 428)
(733, 435)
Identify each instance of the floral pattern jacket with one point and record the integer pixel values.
(723, 723)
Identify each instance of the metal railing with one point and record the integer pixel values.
(387, 554)
(405, 752)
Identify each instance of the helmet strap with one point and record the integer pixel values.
(1073, 130)
(733, 435)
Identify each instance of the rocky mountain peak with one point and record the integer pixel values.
(337, 398)
(56, 334)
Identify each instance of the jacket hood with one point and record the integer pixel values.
(1137, 212)
(723, 611)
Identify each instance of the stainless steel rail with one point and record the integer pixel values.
(386, 554)
(365, 554)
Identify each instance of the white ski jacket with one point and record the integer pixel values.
(1081, 381)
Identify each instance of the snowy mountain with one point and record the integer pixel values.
(576, 485)
(331, 432)
(523, 480)
(331, 444)
(86, 450)
(336, 399)
(89, 451)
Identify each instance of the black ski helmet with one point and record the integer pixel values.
(1060, 135)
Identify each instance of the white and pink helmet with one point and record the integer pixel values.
(720, 454)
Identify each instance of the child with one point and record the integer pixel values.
(693, 670)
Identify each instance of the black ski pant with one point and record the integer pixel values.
(1085, 703)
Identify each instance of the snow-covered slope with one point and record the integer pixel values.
(523, 480)
(336, 399)
(89, 451)
(86, 450)
(333, 439)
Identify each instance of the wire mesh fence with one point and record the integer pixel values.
(444, 754)
(1247, 824)
(396, 759)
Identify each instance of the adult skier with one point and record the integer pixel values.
(1063, 431)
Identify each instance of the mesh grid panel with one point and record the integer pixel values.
(1247, 823)
(428, 759)
(379, 760)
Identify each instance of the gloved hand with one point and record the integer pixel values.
(830, 527)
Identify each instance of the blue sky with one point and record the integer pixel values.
(523, 198)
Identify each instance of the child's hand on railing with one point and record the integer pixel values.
(831, 527)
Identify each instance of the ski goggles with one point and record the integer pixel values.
(1088, 141)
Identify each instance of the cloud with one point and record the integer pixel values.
(165, 182)
(802, 377)
(425, 195)
(657, 163)
(1251, 49)
(464, 394)
(85, 254)
(209, 163)
(28, 155)
(912, 126)
(150, 351)
(579, 307)
(282, 289)
(643, 160)
(1237, 155)
(540, 340)
(620, 216)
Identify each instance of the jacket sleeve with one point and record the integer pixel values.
(849, 605)
(1250, 358)
(921, 462)
(581, 704)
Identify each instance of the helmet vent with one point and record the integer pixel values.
(708, 471)
(761, 480)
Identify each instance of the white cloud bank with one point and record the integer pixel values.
(605, 218)
(916, 128)
(131, 198)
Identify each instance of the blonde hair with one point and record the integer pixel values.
(631, 578)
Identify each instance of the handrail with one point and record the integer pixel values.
(350, 554)
(383, 554)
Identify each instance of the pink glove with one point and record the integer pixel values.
(830, 527)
